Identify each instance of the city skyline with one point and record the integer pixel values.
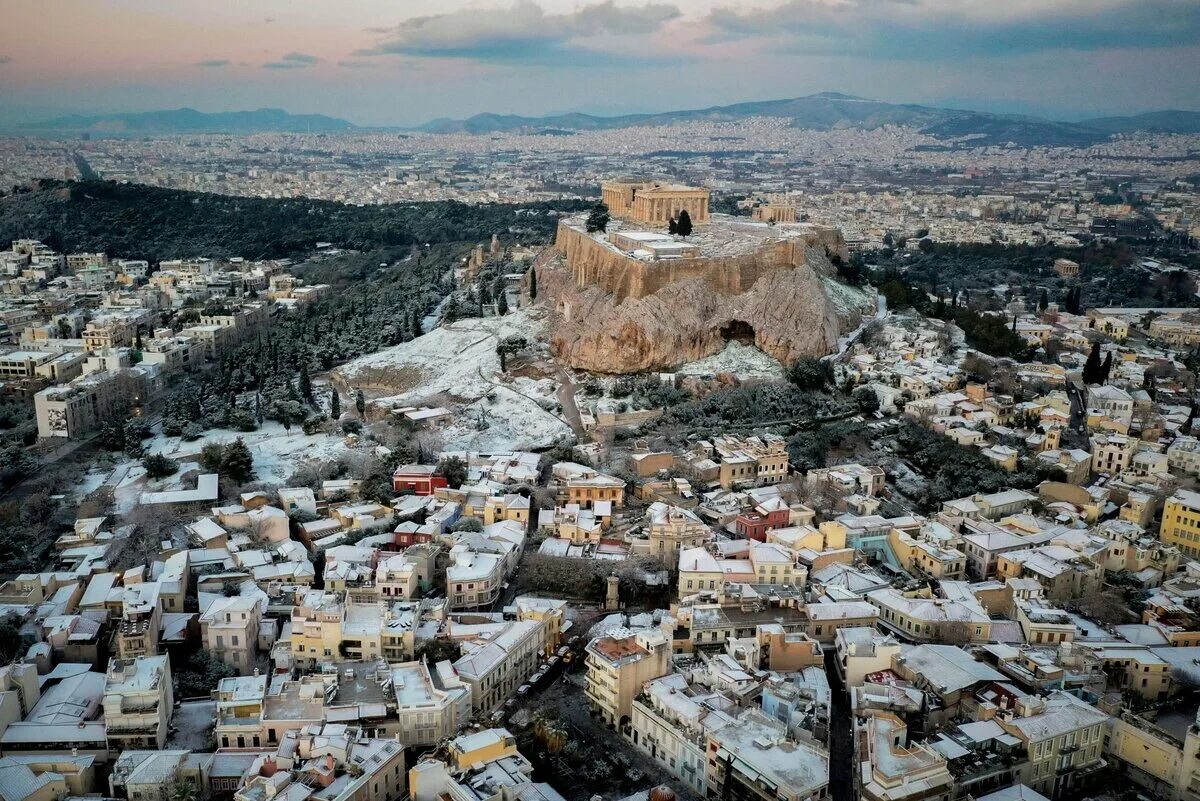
(377, 63)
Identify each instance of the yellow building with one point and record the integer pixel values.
(598, 488)
(1181, 522)
(506, 507)
(618, 665)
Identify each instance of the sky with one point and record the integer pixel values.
(403, 62)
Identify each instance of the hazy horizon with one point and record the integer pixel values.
(394, 63)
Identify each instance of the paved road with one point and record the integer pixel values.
(841, 745)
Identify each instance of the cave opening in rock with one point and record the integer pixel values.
(738, 331)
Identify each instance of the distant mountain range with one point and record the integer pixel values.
(188, 120)
(822, 112)
(831, 110)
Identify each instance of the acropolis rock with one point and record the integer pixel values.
(621, 311)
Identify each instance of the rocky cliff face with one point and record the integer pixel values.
(782, 308)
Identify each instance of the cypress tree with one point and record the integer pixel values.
(684, 226)
(335, 404)
(532, 283)
(1092, 367)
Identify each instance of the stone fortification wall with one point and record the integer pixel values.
(593, 263)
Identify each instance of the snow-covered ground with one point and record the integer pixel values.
(744, 361)
(457, 366)
(277, 453)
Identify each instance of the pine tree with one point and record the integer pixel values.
(597, 219)
(532, 283)
(258, 409)
(335, 404)
(237, 462)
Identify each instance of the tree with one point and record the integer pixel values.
(468, 524)
(237, 462)
(810, 373)
(1104, 606)
(159, 466)
(305, 382)
(1092, 367)
(13, 644)
(454, 470)
(532, 283)
(502, 303)
(183, 790)
(211, 457)
(597, 219)
(1106, 368)
(438, 650)
(866, 400)
(360, 403)
(684, 225)
(335, 403)
(201, 674)
(955, 632)
(1043, 300)
(673, 226)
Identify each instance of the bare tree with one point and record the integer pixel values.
(955, 632)
(1106, 607)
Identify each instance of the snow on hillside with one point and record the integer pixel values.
(743, 361)
(457, 366)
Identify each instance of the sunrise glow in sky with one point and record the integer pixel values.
(407, 61)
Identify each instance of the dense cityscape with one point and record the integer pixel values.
(778, 451)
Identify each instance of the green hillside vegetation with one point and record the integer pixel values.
(144, 222)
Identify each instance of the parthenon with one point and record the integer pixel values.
(654, 203)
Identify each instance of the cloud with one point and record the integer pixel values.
(292, 61)
(356, 64)
(214, 62)
(5, 59)
(932, 30)
(525, 33)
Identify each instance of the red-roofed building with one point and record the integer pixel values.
(417, 479)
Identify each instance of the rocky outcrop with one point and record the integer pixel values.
(778, 304)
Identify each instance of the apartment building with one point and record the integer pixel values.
(669, 722)
(731, 461)
(1062, 572)
(229, 628)
(480, 766)
(138, 702)
(346, 765)
(891, 769)
(431, 703)
(919, 617)
(493, 667)
(753, 759)
(618, 664)
(1112, 453)
(1181, 522)
(1064, 740)
(239, 715)
(671, 528)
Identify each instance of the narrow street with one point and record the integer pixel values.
(841, 744)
